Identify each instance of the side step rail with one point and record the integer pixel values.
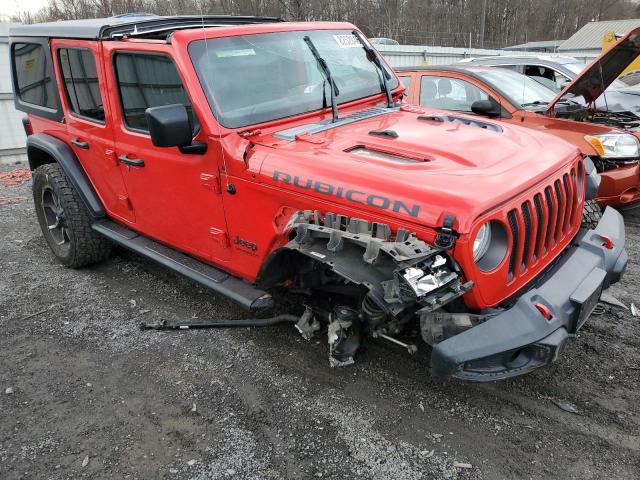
(248, 296)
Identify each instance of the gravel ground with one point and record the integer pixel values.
(85, 393)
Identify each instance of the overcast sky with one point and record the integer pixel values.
(10, 7)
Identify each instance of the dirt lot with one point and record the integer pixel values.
(92, 396)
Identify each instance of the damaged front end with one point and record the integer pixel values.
(394, 277)
(377, 284)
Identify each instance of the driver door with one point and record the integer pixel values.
(175, 196)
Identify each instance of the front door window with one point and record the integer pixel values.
(449, 93)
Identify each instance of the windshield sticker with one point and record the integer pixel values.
(245, 52)
(347, 41)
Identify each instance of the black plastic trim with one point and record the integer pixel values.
(64, 156)
(104, 28)
(246, 295)
(520, 339)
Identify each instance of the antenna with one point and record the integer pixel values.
(206, 48)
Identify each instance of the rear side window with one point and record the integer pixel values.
(81, 86)
(147, 80)
(33, 78)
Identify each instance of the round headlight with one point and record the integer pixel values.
(615, 145)
(481, 242)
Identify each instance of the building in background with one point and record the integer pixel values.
(545, 46)
(12, 136)
(588, 40)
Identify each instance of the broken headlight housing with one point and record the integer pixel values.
(432, 283)
(615, 145)
(426, 280)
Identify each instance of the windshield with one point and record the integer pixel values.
(252, 79)
(579, 67)
(520, 89)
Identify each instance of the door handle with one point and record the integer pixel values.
(132, 162)
(80, 144)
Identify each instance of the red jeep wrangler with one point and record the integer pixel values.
(250, 154)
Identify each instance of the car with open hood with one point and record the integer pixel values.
(257, 157)
(556, 72)
(514, 98)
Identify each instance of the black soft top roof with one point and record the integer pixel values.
(142, 25)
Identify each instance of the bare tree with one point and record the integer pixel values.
(431, 22)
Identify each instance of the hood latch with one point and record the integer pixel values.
(446, 237)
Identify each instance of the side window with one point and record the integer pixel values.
(561, 80)
(81, 87)
(406, 81)
(449, 93)
(543, 75)
(515, 68)
(34, 82)
(148, 80)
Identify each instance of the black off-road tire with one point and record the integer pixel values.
(591, 214)
(64, 219)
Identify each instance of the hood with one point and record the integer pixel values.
(415, 168)
(595, 79)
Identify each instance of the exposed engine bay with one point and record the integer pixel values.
(623, 120)
(581, 113)
(363, 281)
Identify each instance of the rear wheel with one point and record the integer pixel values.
(591, 214)
(64, 219)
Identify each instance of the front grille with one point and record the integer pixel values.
(543, 221)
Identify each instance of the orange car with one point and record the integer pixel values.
(511, 97)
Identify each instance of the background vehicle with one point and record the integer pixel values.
(384, 41)
(557, 72)
(517, 99)
(631, 79)
(252, 155)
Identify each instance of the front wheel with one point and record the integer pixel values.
(591, 214)
(64, 219)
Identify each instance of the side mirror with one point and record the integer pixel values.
(169, 126)
(486, 108)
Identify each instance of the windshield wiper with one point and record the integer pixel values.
(325, 69)
(374, 57)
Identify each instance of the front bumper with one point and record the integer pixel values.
(520, 339)
(620, 187)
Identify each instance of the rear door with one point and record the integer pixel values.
(89, 124)
(176, 196)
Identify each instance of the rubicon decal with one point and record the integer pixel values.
(352, 195)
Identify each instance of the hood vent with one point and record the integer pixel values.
(363, 151)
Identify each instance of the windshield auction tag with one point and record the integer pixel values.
(347, 41)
